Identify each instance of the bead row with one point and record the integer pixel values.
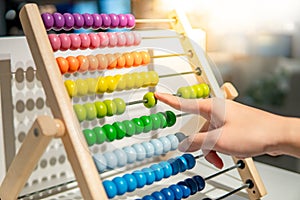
(84, 41)
(147, 176)
(128, 128)
(136, 152)
(68, 21)
(100, 85)
(102, 62)
(100, 109)
(183, 189)
(201, 90)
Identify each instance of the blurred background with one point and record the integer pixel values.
(255, 44)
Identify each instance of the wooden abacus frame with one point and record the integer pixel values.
(66, 126)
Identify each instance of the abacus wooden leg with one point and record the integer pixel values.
(34, 145)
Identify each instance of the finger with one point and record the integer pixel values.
(214, 159)
(192, 143)
(196, 106)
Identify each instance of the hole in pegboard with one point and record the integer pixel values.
(20, 106)
(40, 103)
(30, 74)
(53, 176)
(44, 179)
(35, 182)
(21, 136)
(52, 161)
(62, 159)
(63, 174)
(30, 104)
(19, 75)
(43, 163)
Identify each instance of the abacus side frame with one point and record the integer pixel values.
(77, 150)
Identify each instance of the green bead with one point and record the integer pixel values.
(199, 90)
(139, 125)
(111, 132)
(163, 119)
(171, 118)
(100, 134)
(111, 107)
(101, 109)
(206, 90)
(121, 129)
(130, 127)
(193, 92)
(91, 112)
(90, 136)
(183, 92)
(121, 106)
(147, 123)
(150, 99)
(155, 121)
(80, 112)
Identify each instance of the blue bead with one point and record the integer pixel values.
(178, 194)
(140, 178)
(131, 182)
(131, 154)
(190, 159)
(110, 188)
(166, 144)
(148, 146)
(121, 185)
(168, 193)
(158, 196)
(150, 175)
(183, 166)
(192, 185)
(111, 159)
(158, 147)
(100, 162)
(174, 141)
(158, 171)
(167, 169)
(148, 197)
(200, 182)
(175, 166)
(122, 157)
(140, 152)
(186, 191)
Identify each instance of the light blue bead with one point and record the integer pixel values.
(166, 144)
(158, 147)
(131, 154)
(121, 185)
(150, 175)
(100, 162)
(140, 152)
(167, 169)
(148, 146)
(131, 182)
(174, 141)
(111, 159)
(158, 171)
(110, 188)
(121, 156)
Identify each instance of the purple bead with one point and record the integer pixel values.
(69, 21)
(97, 21)
(88, 20)
(122, 20)
(48, 20)
(114, 20)
(78, 20)
(106, 21)
(59, 21)
(130, 21)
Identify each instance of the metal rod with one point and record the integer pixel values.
(154, 21)
(159, 37)
(182, 114)
(176, 74)
(233, 191)
(170, 55)
(223, 171)
(136, 102)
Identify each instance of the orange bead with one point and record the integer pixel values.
(73, 64)
(63, 65)
(120, 60)
(129, 60)
(93, 61)
(83, 63)
(145, 57)
(102, 62)
(112, 61)
(137, 58)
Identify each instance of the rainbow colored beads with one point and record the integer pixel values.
(127, 128)
(201, 90)
(67, 21)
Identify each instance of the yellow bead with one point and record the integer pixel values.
(71, 88)
(138, 80)
(129, 81)
(111, 83)
(154, 78)
(92, 84)
(121, 83)
(102, 85)
(147, 79)
(82, 87)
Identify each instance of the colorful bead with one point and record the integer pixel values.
(158, 196)
(192, 185)
(80, 112)
(122, 20)
(111, 132)
(97, 19)
(171, 118)
(183, 92)
(63, 65)
(111, 107)
(200, 182)
(95, 40)
(158, 147)
(174, 141)
(130, 82)
(130, 21)
(78, 20)
(168, 193)
(100, 162)
(154, 78)
(148, 197)
(140, 152)
(206, 90)
(137, 58)
(82, 87)
(69, 21)
(145, 57)
(130, 128)
(120, 60)
(85, 41)
(112, 82)
(100, 135)
(48, 20)
(147, 123)
(90, 137)
(139, 81)
(129, 59)
(166, 144)
(102, 61)
(111, 159)
(113, 40)
(183, 166)
(175, 165)
(140, 178)
(91, 112)
(59, 21)
(147, 79)
(167, 169)
(71, 87)
(106, 21)
(112, 61)
(163, 119)
(88, 20)
(193, 92)
(121, 129)
(101, 109)
(104, 40)
(139, 125)
(75, 41)
(150, 175)
(54, 41)
(176, 189)
(110, 188)
(121, 39)
(158, 171)
(129, 38)
(149, 148)
(83, 63)
(114, 20)
(122, 157)
(121, 84)
(131, 154)
(102, 85)
(121, 185)
(73, 64)
(65, 42)
(155, 121)
(93, 62)
(199, 91)
(121, 106)
(186, 191)
(131, 182)
(190, 159)
(149, 100)
(137, 39)
(180, 136)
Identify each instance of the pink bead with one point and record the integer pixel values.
(137, 38)
(95, 40)
(104, 40)
(65, 42)
(113, 40)
(54, 41)
(75, 41)
(121, 39)
(129, 38)
(85, 41)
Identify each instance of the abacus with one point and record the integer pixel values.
(106, 122)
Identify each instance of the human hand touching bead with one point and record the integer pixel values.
(236, 129)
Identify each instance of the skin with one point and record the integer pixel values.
(236, 129)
